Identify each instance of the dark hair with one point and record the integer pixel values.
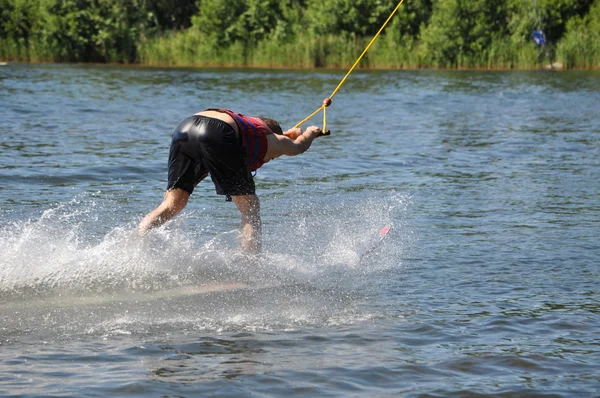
(272, 124)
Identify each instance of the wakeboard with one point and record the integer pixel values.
(374, 242)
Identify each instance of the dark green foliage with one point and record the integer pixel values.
(225, 22)
(18, 19)
(410, 17)
(76, 30)
(348, 17)
(581, 44)
(556, 13)
(171, 14)
(461, 29)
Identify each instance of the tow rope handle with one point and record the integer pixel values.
(324, 131)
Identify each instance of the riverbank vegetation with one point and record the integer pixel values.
(490, 34)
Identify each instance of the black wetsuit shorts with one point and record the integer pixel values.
(202, 145)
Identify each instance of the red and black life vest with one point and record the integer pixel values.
(253, 132)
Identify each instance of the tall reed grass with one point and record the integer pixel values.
(189, 48)
(31, 50)
(580, 48)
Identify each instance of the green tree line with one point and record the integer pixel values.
(303, 33)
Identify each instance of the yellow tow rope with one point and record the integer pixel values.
(327, 101)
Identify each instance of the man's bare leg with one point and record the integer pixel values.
(249, 207)
(173, 202)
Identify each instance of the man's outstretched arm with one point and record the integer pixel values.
(294, 142)
(249, 207)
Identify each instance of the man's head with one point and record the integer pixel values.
(272, 124)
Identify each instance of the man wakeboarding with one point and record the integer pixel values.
(229, 146)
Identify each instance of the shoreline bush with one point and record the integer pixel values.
(456, 34)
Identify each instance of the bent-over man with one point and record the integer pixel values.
(229, 146)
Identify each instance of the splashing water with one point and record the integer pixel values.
(56, 265)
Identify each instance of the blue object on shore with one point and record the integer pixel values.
(538, 37)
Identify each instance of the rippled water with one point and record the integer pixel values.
(487, 285)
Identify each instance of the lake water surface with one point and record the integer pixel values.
(487, 286)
